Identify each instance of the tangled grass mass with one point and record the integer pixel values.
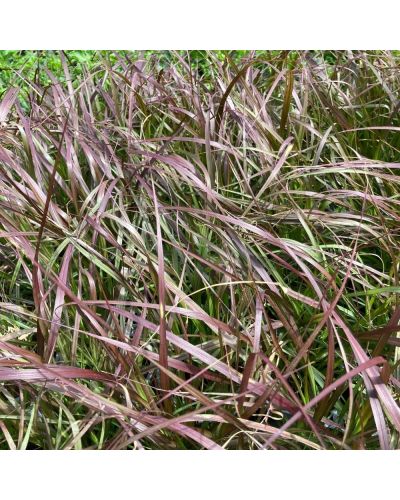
(201, 251)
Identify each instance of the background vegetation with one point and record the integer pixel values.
(199, 250)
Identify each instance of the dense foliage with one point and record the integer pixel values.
(199, 250)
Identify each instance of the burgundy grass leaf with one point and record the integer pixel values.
(7, 102)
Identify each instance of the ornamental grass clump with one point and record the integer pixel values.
(202, 254)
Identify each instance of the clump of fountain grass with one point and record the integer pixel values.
(202, 254)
